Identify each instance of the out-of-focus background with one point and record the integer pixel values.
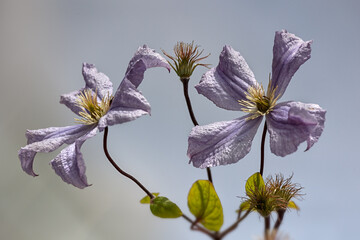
(42, 46)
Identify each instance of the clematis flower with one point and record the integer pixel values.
(232, 85)
(97, 108)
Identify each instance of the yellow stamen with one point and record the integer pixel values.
(91, 109)
(257, 103)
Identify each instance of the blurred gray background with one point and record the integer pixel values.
(42, 46)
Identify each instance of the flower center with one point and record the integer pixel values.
(91, 109)
(257, 103)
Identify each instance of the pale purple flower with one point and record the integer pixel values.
(97, 109)
(232, 85)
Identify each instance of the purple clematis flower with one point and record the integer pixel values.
(232, 85)
(97, 109)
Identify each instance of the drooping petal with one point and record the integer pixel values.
(96, 81)
(70, 165)
(143, 59)
(228, 82)
(48, 140)
(290, 52)
(127, 105)
(291, 123)
(221, 143)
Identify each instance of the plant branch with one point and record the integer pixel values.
(119, 169)
(196, 227)
(234, 225)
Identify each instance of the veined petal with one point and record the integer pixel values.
(221, 143)
(291, 123)
(290, 52)
(228, 82)
(70, 100)
(143, 59)
(48, 140)
(69, 164)
(127, 105)
(95, 81)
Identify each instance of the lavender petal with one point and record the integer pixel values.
(127, 105)
(290, 52)
(221, 143)
(70, 100)
(143, 59)
(228, 82)
(291, 123)
(97, 81)
(70, 165)
(48, 140)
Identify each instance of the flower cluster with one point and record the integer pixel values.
(232, 86)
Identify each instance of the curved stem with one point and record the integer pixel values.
(263, 150)
(278, 222)
(119, 169)
(232, 227)
(196, 227)
(185, 82)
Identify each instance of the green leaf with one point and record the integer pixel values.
(254, 183)
(146, 199)
(205, 205)
(292, 205)
(164, 208)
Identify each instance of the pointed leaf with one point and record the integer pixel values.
(254, 183)
(292, 205)
(205, 205)
(146, 199)
(164, 208)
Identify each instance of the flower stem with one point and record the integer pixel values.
(263, 149)
(119, 169)
(278, 222)
(267, 227)
(185, 82)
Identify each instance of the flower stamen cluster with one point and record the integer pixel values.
(187, 57)
(264, 202)
(274, 195)
(284, 188)
(92, 109)
(257, 103)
